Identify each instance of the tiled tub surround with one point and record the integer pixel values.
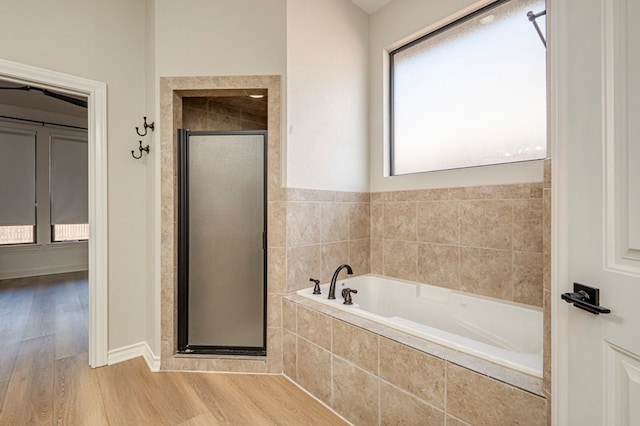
(462, 321)
(323, 230)
(485, 240)
(546, 251)
(372, 374)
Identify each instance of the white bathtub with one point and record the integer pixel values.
(505, 333)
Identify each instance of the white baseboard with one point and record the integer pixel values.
(35, 272)
(126, 353)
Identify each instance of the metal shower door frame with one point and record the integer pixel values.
(183, 249)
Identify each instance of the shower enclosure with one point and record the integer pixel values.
(222, 242)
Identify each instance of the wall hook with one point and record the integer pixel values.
(146, 126)
(140, 148)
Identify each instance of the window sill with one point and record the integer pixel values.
(67, 245)
(46, 246)
(20, 247)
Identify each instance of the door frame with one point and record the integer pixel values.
(559, 129)
(96, 93)
(557, 98)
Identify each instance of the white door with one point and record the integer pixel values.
(597, 206)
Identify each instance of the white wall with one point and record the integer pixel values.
(202, 38)
(390, 27)
(153, 296)
(220, 37)
(42, 259)
(103, 41)
(327, 95)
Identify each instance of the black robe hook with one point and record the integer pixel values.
(140, 148)
(146, 126)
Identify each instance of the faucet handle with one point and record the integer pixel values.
(316, 287)
(346, 294)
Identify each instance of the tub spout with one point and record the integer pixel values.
(332, 288)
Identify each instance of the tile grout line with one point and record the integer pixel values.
(379, 380)
(446, 395)
(331, 383)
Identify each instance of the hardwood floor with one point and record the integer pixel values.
(45, 378)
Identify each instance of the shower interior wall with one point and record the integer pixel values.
(228, 113)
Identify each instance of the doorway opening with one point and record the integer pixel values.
(222, 170)
(176, 94)
(64, 86)
(222, 245)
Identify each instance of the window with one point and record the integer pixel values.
(68, 186)
(16, 235)
(70, 232)
(17, 186)
(40, 163)
(472, 93)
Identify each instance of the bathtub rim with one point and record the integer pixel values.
(522, 362)
(520, 379)
(515, 378)
(479, 296)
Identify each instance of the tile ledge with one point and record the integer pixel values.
(497, 372)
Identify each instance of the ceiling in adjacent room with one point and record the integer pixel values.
(370, 6)
(38, 101)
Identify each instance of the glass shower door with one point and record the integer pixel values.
(222, 247)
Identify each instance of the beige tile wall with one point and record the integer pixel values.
(207, 113)
(485, 240)
(374, 376)
(546, 253)
(324, 229)
(174, 91)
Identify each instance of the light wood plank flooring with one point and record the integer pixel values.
(45, 378)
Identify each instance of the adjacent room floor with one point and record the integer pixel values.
(45, 377)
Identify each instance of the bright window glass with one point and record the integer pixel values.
(471, 94)
(70, 232)
(17, 234)
(69, 189)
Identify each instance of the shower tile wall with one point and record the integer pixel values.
(323, 230)
(176, 93)
(485, 240)
(546, 251)
(215, 113)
